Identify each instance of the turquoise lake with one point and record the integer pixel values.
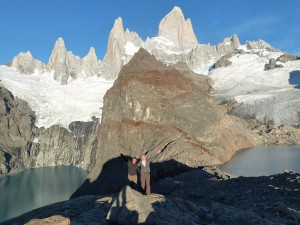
(34, 188)
(263, 160)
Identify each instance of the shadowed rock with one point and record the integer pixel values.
(223, 62)
(272, 65)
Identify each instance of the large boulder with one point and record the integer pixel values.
(154, 107)
(52, 220)
(129, 207)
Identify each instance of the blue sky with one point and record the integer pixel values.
(36, 24)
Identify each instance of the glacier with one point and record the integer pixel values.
(54, 103)
(268, 96)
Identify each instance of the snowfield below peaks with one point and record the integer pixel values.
(270, 96)
(54, 103)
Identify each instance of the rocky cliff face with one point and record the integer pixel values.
(154, 107)
(16, 132)
(24, 146)
(57, 146)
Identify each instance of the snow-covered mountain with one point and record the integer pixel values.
(175, 42)
(244, 80)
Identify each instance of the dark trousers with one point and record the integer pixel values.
(145, 182)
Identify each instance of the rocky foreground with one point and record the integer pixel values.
(194, 197)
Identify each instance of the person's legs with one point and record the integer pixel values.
(147, 179)
(134, 179)
(143, 181)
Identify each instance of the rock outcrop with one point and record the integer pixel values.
(286, 57)
(223, 62)
(276, 135)
(272, 65)
(175, 28)
(25, 63)
(154, 107)
(260, 44)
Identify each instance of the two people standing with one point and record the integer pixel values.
(143, 167)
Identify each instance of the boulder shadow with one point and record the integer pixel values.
(295, 78)
(113, 176)
(111, 179)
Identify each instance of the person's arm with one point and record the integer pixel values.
(151, 158)
(139, 163)
(138, 170)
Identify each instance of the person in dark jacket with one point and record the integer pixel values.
(132, 171)
(145, 172)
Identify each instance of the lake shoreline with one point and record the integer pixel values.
(34, 188)
(259, 200)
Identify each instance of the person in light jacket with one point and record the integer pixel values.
(145, 172)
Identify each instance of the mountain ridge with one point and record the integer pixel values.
(175, 42)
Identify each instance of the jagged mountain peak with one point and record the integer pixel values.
(177, 10)
(28, 53)
(60, 43)
(118, 30)
(25, 63)
(175, 28)
(260, 44)
(232, 40)
(92, 52)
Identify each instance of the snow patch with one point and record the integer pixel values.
(130, 48)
